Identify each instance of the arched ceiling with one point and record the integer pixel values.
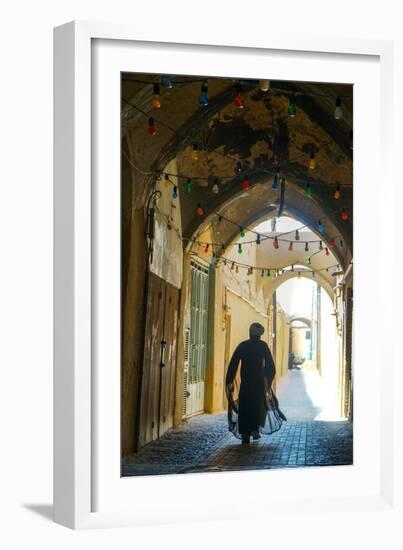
(262, 136)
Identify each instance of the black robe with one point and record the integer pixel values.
(255, 408)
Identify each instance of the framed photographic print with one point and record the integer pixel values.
(214, 205)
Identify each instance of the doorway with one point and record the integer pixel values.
(196, 375)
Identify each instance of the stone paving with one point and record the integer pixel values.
(180, 448)
(204, 444)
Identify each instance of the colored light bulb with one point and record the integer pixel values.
(200, 210)
(245, 183)
(156, 101)
(292, 106)
(290, 246)
(308, 190)
(239, 100)
(238, 167)
(203, 97)
(312, 161)
(344, 214)
(241, 232)
(152, 130)
(264, 85)
(331, 243)
(239, 248)
(167, 81)
(341, 243)
(274, 185)
(215, 189)
(188, 185)
(308, 261)
(320, 245)
(206, 248)
(262, 273)
(232, 266)
(299, 275)
(327, 251)
(306, 247)
(297, 235)
(268, 272)
(175, 192)
(167, 182)
(338, 113)
(337, 192)
(195, 152)
(237, 268)
(251, 271)
(258, 240)
(320, 226)
(275, 243)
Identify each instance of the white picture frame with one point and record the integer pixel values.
(88, 489)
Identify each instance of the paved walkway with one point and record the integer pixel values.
(205, 445)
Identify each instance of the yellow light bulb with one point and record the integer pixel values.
(156, 102)
(312, 162)
(195, 152)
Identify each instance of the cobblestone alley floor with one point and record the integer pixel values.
(204, 444)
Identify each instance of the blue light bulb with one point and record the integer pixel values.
(167, 81)
(203, 97)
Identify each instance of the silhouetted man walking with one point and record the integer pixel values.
(256, 409)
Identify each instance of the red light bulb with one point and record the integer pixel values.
(327, 252)
(245, 183)
(200, 210)
(331, 243)
(239, 100)
(152, 130)
(344, 214)
(206, 248)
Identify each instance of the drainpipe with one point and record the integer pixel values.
(318, 329)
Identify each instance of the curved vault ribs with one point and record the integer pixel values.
(249, 208)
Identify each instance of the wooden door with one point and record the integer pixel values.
(157, 398)
(150, 384)
(167, 398)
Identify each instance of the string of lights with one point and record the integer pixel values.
(270, 271)
(188, 185)
(265, 85)
(250, 268)
(201, 211)
(239, 168)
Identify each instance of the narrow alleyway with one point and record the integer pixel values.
(204, 444)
